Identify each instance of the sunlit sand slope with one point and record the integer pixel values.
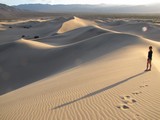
(94, 73)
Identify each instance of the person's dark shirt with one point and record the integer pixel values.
(150, 55)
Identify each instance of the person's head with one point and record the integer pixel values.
(150, 47)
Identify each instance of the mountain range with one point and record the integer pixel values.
(10, 12)
(7, 11)
(101, 8)
(33, 10)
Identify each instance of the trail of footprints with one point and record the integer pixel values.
(128, 101)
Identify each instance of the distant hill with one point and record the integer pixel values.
(7, 11)
(102, 8)
(10, 12)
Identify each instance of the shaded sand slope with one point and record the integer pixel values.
(33, 63)
(96, 90)
(96, 77)
(73, 36)
(73, 30)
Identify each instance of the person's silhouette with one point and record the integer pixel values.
(149, 60)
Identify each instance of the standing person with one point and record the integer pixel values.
(149, 60)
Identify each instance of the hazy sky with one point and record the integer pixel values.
(119, 2)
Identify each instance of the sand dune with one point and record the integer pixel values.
(80, 70)
(117, 23)
(29, 56)
(73, 36)
(145, 29)
(73, 24)
(39, 28)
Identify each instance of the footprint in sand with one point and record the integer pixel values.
(123, 107)
(128, 100)
(142, 86)
(136, 92)
(126, 107)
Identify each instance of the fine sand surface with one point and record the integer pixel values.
(79, 70)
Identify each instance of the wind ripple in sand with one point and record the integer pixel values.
(111, 65)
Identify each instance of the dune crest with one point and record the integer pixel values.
(74, 24)
(35, 44)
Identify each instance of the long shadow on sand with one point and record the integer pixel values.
(99, 91)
